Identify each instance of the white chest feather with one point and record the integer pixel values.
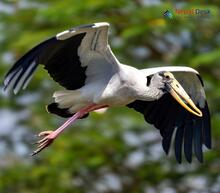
(116, 93)
(122, 88)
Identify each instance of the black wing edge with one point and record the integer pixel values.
(191, 132)
(21, 72)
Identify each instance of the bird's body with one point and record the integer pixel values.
(116, 90)
(81, 61)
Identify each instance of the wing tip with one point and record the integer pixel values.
(189, 160)
(208, 145)
(19, 78)
(188, 155)
(179, 159)
(200, 159)
(166, 145)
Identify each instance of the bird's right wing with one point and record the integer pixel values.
(191, 131)
(72, 58)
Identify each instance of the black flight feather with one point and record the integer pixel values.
(197, 138)
(178, 143)
(188, 138)
(206, 127)
(169, 128)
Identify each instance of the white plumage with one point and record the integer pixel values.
(81, 60)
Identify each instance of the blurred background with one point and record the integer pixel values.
(116, 151)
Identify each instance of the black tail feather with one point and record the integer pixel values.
(54, 109)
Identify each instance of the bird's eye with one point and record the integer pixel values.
(148, 80)
(167, 77)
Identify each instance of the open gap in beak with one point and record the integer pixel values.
(180, 95)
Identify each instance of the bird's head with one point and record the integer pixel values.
(165, 82)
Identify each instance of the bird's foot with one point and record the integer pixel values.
(47, 137)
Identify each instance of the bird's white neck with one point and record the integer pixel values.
(136, 81)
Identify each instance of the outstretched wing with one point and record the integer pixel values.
(72, 58)
(191, 132)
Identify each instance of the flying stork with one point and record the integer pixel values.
(80, 59)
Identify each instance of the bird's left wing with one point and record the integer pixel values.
(191, 131)
(71, 58)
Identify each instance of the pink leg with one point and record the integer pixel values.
(49, 136)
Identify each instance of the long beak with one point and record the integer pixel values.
(178, 93)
